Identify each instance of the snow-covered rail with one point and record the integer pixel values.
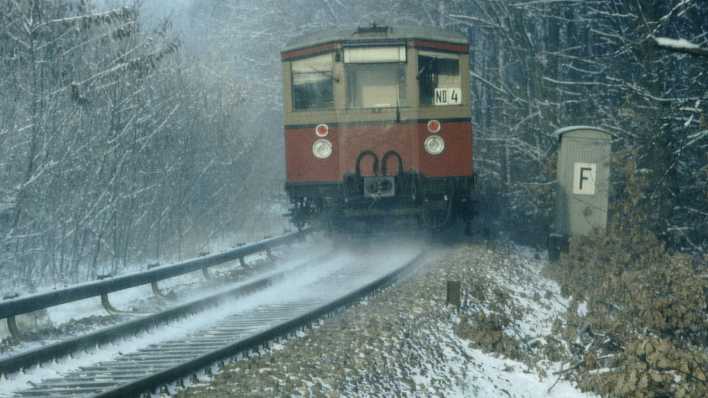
(299, 299)
(9, 309)
(52, 352)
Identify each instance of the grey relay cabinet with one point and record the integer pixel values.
(583, 184)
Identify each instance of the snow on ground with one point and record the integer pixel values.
(489, 375)
(538, 296)
(405, 341)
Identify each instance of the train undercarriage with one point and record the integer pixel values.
(363, 204)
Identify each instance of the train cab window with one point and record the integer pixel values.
(376, 77)
(313, 83)
(439, 78)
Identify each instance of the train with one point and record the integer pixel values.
(378, 131)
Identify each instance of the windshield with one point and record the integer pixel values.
(376, 77)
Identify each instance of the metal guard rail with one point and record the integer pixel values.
(23, 305)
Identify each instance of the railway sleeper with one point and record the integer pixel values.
(206, 346)
(51, 392)
(125, 369)
(164, 357)
(115, 376)
(157, 362)
(175, 350)
(62, 384)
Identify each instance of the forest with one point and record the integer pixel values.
(137, 131)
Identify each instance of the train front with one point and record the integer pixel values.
(377, 128)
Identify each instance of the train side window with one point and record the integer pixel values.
(312, 83)
(376, 77)
(439, 78)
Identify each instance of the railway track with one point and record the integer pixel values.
(51, 352)
(275, 308)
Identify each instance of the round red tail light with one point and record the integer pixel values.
(322, 130)
(434, 126)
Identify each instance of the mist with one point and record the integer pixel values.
(160, 136)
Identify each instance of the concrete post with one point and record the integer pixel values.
(582, 185)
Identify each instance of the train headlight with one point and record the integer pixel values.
(322, 149)
(434, 145)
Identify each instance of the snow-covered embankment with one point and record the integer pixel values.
(406, 341)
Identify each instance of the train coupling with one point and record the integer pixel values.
(379, 187)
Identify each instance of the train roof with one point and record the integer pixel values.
(374, 33)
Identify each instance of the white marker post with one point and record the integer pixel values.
(583, 185)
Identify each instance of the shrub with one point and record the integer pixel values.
(645, 330)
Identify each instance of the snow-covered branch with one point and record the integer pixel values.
(680, 46)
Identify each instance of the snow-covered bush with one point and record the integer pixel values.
(645, 330)
(638, 322)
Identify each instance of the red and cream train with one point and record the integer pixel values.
(377, 128)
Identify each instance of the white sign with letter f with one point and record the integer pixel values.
(584, 177)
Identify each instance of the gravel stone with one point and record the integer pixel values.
(405, 341)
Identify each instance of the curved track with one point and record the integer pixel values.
(236, 326)
(55, 351)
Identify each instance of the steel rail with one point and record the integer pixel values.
(23, 305)
(184, 369)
